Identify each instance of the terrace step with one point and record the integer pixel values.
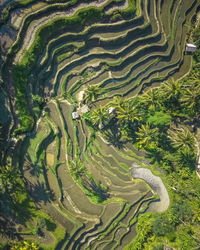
(125, 57)
(35, 25)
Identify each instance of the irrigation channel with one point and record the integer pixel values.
(123, 51)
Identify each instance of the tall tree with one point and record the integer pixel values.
(171, 90)
(99, 117)
(127, 113)
(90, 94)
(117, 102)
(150, 98)
(146, 135)
(191, 99)
(182, 138)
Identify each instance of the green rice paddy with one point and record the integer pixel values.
(79, 45)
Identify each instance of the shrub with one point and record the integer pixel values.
(159, 119)
(162, 226)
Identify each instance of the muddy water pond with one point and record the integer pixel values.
(157, 185)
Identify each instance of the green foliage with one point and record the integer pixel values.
(24, 245)
(158, 247)
(20, 79)
(85, 74)
(89, 16)
(21, 71)
(145, 119)
(144, 230)
(130, 11)
(150, 99)
(184, 240)
(180, 211)
(190, 99)
(182, 138)
(159, 119)
(116, 16)
(87, 116)
(77, 168)
(41, 223)
(186, 158)
(15, 201)
(164, 131)
(147, 136)
(90, 94)
(99, 117)
(69, 147)
(38, 99)
(162, 226)
(96, 191)
(127, 113)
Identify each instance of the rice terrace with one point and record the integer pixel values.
(100, 124)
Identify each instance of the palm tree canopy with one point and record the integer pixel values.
(99, 116)
(127, 113)
(171, 89)
(146, 134)
(191, 97)
(182, 138)
(150, 97)
(117, 102)
(91, 93)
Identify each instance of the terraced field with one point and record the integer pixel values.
(73, 173)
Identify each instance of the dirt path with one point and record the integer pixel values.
(157, 185)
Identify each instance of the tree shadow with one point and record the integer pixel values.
(8, 229)
(41, 194)
(113, 135)
(154, 156)
(96, 189)
(36, 170)
(114, 139)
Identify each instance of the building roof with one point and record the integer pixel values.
(75, 115)
(190, 47)
(84, 109)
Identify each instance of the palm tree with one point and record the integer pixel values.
(117, 102)
(90, 94)
(10, 177)
(99, 117)
(127, 113)
(191, 98)
(146, 135)
(194, 79)
(171, 89)
(150, 98)
(77, 168)
(182, 138)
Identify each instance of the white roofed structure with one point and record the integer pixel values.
(111, 110)
(84, 109)
(190, 47)
(75, 115)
